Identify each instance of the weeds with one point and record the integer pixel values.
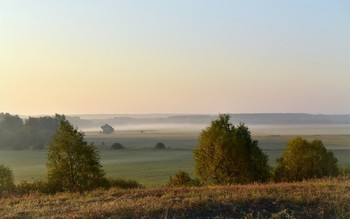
(326, 198)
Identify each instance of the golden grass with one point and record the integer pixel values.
(328, 198)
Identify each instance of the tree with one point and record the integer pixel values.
(305, 160)
(73, 165)
(107, 129)
(6, 179)
(227, 154)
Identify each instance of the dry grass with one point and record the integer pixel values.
(313, 199)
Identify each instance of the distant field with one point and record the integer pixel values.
(140, 161)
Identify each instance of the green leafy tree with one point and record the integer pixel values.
(73, 165)
(6, 179)
(305, 160)
(227, 154)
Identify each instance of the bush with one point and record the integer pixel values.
(182, 178)
(6, 179)
(305, 160)
(117, 146)
(107, 129)
(41, 186)
(25, 187)
(121, 183)
(160, 145)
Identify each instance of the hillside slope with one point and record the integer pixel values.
(312, 199)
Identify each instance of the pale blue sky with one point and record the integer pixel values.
(174, 56)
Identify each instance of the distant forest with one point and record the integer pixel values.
(31, 133)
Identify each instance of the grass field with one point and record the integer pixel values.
(141, 162)
(326, 198)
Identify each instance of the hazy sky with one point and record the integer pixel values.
(180, 56)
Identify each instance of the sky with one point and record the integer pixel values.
(188, 57)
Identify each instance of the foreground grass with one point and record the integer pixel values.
(312, 199)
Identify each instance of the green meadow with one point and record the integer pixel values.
(151, 167)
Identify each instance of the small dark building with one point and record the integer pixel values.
(107, 129)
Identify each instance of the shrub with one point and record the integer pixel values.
(107, 129)
(27, 187)
(182, 178)
(41, 186)
(6, 179)
(160, 145)
(305, 160)
(117, 146)
(121, 183)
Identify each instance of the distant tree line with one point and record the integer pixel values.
(31, 133)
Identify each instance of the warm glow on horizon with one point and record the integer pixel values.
(174, 57)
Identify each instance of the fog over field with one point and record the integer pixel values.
(261, 124)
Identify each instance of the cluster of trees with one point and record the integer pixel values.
(227, 154)
(31, 133)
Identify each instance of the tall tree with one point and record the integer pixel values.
(227, 154)
(73, 164)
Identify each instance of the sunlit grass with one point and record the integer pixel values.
(327, 198)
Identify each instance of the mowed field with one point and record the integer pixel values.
(151, 167)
